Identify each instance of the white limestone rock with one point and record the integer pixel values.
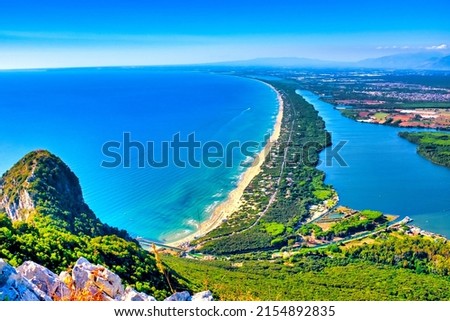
(203, 296)
(179, 296)
(132, 295)
(97, 278)
(14, 287)
(33, 282)
(45, 280)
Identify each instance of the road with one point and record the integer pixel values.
(364, 234)
(283, 166)
(146, 244)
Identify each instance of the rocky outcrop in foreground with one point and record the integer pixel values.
(86, 282)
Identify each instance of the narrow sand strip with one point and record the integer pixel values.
(232, 203)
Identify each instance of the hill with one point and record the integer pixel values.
(282, 62)
(41, 182)
(423, 60)
(410, 61)
(43, 218)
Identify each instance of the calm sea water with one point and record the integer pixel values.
(384, 171)
(73, 113)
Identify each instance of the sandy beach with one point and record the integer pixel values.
(232, 203)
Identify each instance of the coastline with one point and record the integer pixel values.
(233, 201)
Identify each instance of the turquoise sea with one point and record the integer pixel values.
(383, 171)
(73, 112)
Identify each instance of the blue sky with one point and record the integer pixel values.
(89, 33)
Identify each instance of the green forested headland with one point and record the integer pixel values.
(434, 146)
(61, 227)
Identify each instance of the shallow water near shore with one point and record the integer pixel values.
(383, 171)
(74, 112)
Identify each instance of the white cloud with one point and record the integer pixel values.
(393, 47)
(406, 47)
(438, 47)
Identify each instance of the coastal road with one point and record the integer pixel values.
(282, 169)
(364, 234)
(147, 244)
(283, 165)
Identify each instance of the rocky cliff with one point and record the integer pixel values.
(86, 281)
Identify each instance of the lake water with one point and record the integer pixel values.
(72, 113)
(383, 171)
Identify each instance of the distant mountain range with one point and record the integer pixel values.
(429, 61)
(283, 62)
(418, 61)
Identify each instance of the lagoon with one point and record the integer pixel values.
(383, 171)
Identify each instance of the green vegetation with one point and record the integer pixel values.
(57, 249)
(56, 192)
(434, 146)
(308, 229)
(349, 113)
(322, 194)
(381, 116)
(289, 171)
(418, 253)
(308, 278)
(413, 105)
(366, 220)
(347, 227)
(274, 229)
(391, 266)
(62, 228)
